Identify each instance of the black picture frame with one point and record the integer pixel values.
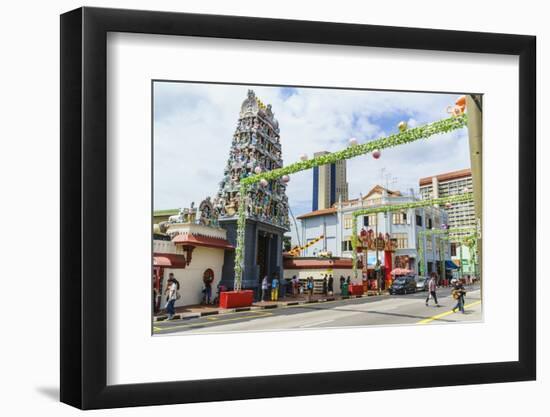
(84, 207)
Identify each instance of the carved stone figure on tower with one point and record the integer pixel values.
(255, 147)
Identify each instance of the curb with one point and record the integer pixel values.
(185, 316)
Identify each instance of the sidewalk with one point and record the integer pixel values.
(200, 310)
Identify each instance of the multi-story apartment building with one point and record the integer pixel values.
(461, 215)
(451, 183)
(329, 184)
(335, 224)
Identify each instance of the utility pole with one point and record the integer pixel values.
(475, 132)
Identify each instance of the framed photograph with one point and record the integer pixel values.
(259, 208)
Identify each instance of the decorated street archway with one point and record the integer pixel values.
(453, 199)
(467, 236)
(405, 136)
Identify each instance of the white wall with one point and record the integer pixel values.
(30, 177)
(313, 227)
(190, 277)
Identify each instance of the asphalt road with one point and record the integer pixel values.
(366, 311)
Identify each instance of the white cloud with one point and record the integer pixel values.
(194, 126)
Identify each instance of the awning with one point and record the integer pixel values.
(189, 239)
(401, 271)
(169, 260)
(450, 265)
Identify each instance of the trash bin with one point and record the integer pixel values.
(345, 291)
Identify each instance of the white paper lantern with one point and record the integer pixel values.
(285, 178)
(263, 182)
(353, 142)
(303, 157)
(258, 170)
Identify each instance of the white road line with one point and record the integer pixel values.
(316, 323)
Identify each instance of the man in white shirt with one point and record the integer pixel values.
(432, 287)
(171, 296)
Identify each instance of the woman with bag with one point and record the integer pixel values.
(172, 295)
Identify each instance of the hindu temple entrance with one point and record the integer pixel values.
(262, 257)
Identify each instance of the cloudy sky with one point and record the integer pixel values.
(194, 126)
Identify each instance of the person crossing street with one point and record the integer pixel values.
(458, 294)
(432, 288)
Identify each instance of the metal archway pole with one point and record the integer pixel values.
(475, 134)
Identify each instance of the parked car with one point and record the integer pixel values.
(422, 283)
(403, 285)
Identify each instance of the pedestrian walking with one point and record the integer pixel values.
(155, 295)
(432, 286)
(342, 281)
(171, 295)
(265, 287)
(330, 285)
(310, 285)
(348, 280)
(274, 289)
(458, 294)
(325, 285)
(207, 292)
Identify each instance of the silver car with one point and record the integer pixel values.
(421, 283)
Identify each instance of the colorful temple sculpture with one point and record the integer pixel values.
(255, 148)
(192, 246)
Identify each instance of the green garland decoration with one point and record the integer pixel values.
(421, 255)
(442, 240)
(458, 198)
(354, 246)
(402, 138)
(241, 227)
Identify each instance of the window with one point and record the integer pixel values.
(429, 245)
(402, 240)
(348, 222)
(453, 249)
(399, 218)
(419, 220)
(346, 246)
(429, 223)
(369, 220)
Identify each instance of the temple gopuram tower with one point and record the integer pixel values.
(255, 148)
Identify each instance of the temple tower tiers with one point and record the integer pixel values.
(255, 148)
